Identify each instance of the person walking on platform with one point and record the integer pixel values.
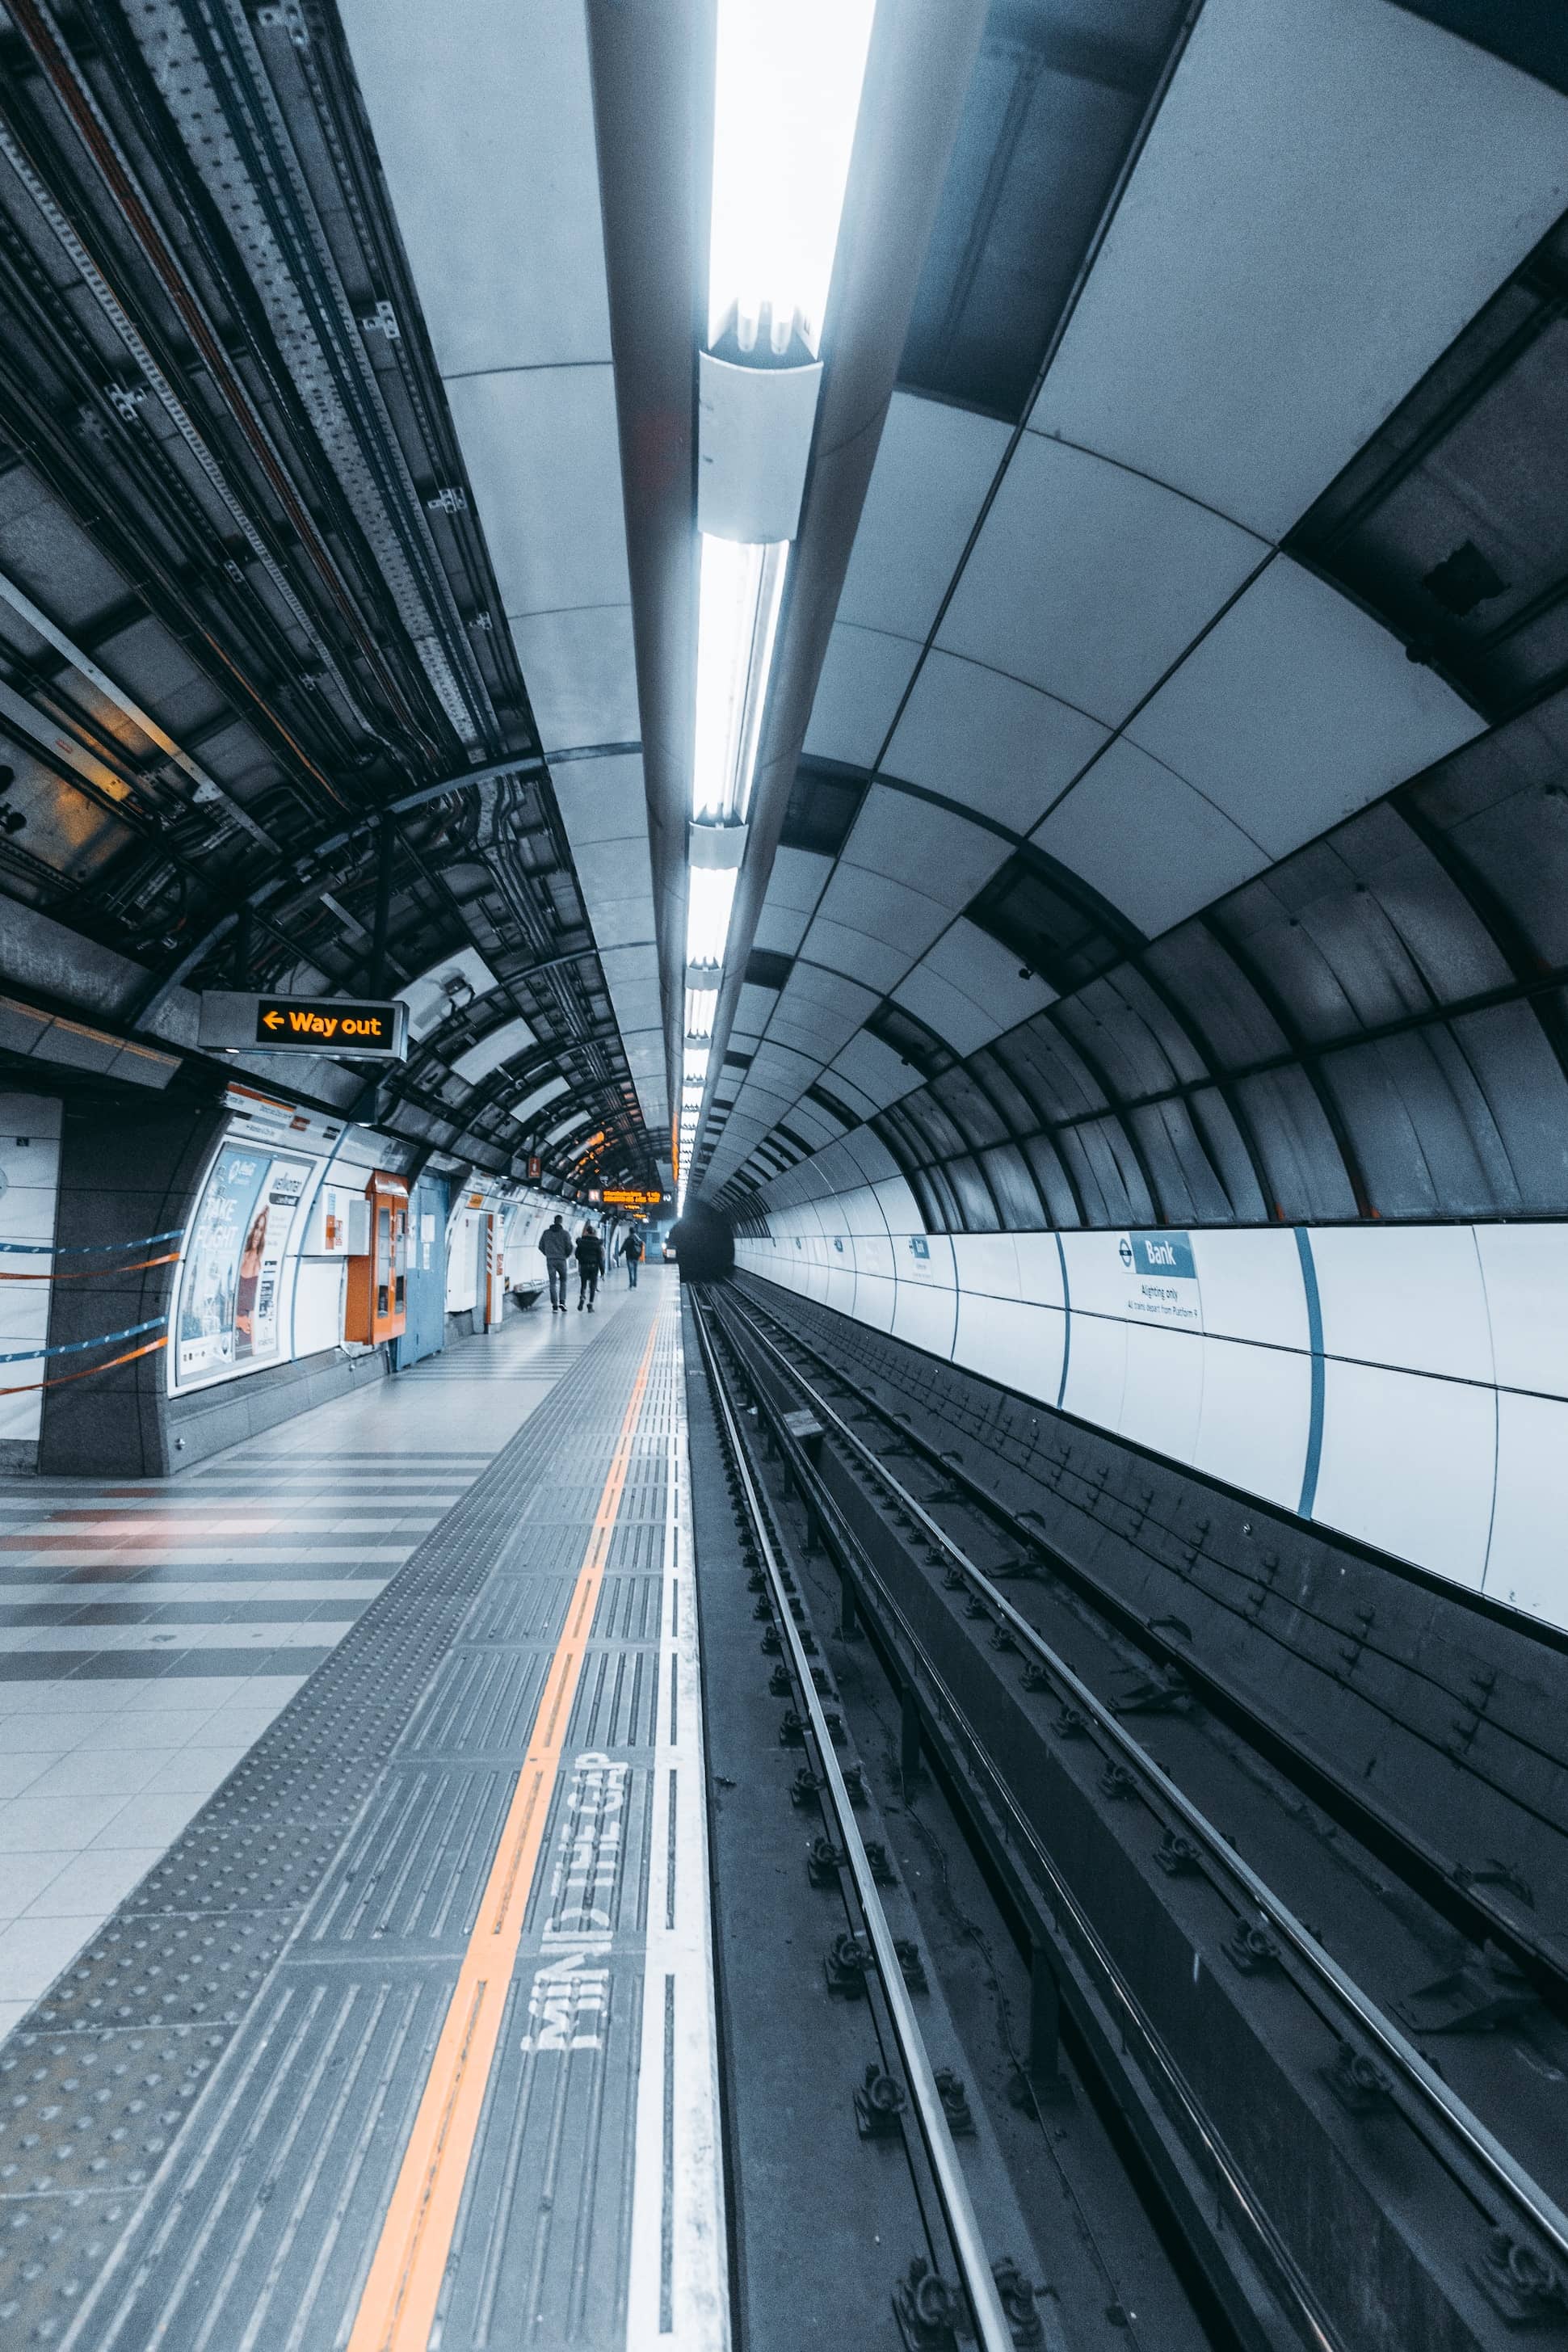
(590, 1266)
(554, 1247)
(632, 1252)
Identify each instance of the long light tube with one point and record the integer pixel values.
(787, 93)
(710, 898)
(739, 592)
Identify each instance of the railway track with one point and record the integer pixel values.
(1341, 2191)
(962, 2285)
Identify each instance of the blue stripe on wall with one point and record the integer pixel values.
(1066, 1322)
(1315, 1342)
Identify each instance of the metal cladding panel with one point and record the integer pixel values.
(956, 1018)
(897, 833)
(1252, 1286)
(1096, 1370)
(1525, 1272)
(1410, 1297)
(1014, 748)
(934, 467)
(1089, 581)
(986, 1264)
(780, 929)
(1297, 709)
(1141, 837)
(1256, 1414)
(979, 965)
(841, 946)
(1017, 1346)
(542, 453)
(1328, 192)
(1408, 1464)
(876, 1069)
(1162, 1394)
(498, 1046)
(493, 174)
(1525, 1564)
(603, 800)
(904, 920)
(864, 679)
(581, 675)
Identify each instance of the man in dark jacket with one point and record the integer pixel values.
(632, 1252)
(554, 1247)
(590, 1266)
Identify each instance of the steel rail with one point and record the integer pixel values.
(1113, 1989)
(1489, 2153)
(995, 2334)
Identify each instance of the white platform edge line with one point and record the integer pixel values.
(689, 2169)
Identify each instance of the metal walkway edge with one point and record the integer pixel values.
(206, 2127)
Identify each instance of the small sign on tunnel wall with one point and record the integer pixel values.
(1161, 1279)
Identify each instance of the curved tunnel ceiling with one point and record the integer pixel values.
(1181, 836)
(262, 660)
(1180, 830)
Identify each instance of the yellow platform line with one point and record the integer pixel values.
(397, 2308)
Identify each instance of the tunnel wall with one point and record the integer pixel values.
(29, 1189)
(1406, 1386)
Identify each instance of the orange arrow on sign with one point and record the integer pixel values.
(273, 1020)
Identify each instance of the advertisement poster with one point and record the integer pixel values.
(259, 1297)
(1161, 1285)
(230, 1292)
(209, 1287)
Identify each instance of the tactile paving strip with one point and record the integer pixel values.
(207, 1958)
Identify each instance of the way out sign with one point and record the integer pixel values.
(303, 1024)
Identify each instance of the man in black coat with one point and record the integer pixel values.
(590, 1266)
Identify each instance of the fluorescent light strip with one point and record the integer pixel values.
(739, 592)
(787, 93)
(702, 1005)
(710, 898)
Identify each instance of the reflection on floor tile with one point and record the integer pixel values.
(148, 1627)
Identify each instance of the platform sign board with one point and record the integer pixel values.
(632, 1200)
(1162, 1280)
(534, 1168)
(232, 1019)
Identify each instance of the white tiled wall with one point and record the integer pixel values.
(1430, 1424)
(29, 1183)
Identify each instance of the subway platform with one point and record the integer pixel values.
(355, 1857)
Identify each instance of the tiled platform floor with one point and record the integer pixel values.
(151, 1630)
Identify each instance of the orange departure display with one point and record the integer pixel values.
(632, 1200)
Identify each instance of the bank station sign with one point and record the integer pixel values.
(1160, 1280)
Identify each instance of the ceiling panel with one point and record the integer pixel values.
(1146, 841)
(876, 1070)
(970, 960)
(896, 832)
(903, 920)
(612, 870)
(842, 948)
(957, 1018)
(601, 800)
(989, 741)
(779, 929)
(934, 467)
(1298, 709)
(493, 173)
(1089, 581)
(542, 455)
(581, 676)
(863, 681)
(1328, 192)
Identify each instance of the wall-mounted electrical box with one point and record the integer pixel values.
(339, 1224)
(376, 1307)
